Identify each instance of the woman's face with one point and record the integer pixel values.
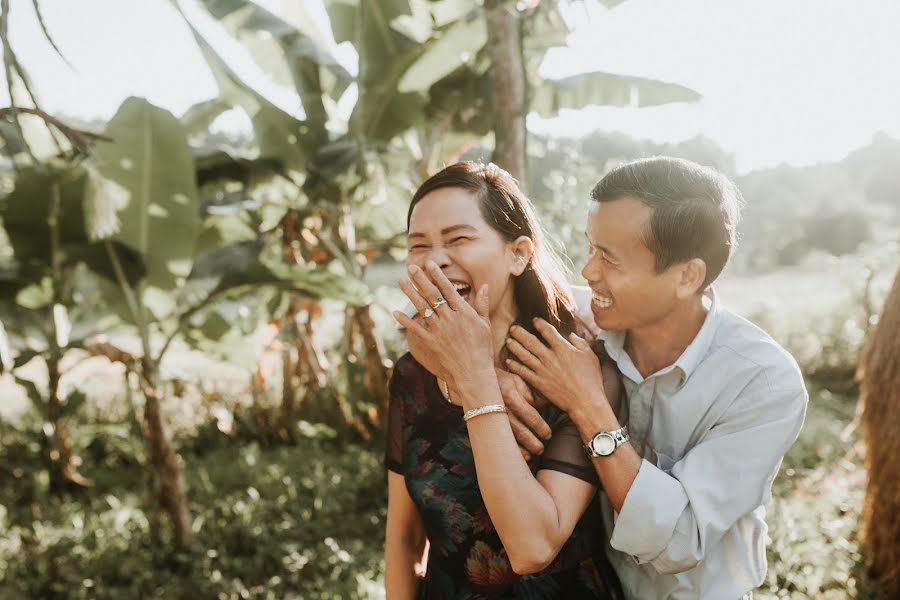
(446, 226)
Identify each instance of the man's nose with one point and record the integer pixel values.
(592, 271)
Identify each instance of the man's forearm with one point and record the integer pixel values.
(618, 470)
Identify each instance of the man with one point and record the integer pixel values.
(712, 402)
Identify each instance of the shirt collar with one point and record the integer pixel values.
(686, 363)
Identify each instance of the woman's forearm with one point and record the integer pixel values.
(511, 493)
(405, 542)
(402, 559)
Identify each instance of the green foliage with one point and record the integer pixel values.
(270, 524)
(279, 135)
(814, 551)
(606, 89)
(150, 161)
(26, 215)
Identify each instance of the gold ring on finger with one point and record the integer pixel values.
(439, 302)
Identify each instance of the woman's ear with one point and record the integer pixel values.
(521, 249)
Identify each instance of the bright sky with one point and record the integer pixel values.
(797, 81)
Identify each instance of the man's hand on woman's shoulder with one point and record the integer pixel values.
(528, 426)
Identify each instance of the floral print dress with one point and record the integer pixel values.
(428, 444)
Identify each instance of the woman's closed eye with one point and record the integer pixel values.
(458, 239)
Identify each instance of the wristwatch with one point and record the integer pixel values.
(606, 442)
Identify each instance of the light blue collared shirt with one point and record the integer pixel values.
(712, 429)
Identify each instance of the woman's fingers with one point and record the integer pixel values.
(413, 327)
(415, 296)
(444, 287)
(426, 287)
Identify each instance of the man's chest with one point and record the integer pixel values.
(667, 417)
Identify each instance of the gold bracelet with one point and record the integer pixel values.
(483, 410)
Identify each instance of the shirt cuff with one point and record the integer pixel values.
(646, 524)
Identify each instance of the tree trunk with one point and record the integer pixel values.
(377, 368)
(879, 376)
(290, 235)
(507, 87)
(63, 463)
(169, 484)
(288, 393)
(311, 354)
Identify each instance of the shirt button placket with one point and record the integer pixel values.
(639, 416)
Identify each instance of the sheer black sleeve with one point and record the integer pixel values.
(393, 454)
(612, 380)
(565, 452)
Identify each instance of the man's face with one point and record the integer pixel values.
(628, 293)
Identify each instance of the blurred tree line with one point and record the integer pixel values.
(834, 208)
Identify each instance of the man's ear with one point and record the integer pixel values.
(692, 273)
(522, 249)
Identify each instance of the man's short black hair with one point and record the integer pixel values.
(695, 209)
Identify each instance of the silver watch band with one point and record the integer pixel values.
(613, 439)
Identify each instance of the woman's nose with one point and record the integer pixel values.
(440, 256)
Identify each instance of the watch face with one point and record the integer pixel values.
(604, 444)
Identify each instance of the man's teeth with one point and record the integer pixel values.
(601, 301)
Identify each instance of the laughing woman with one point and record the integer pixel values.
(496, 526)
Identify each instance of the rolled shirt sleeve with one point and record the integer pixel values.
(671, 516)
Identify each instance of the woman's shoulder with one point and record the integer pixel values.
(409, 373)
(408, 366)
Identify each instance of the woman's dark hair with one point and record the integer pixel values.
(541, 289)
(695, 210)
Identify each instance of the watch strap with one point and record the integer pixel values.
(619, 436)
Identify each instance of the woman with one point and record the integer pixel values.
(497, 526)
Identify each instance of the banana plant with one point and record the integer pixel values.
(499, 46)
(320, 228)
(40, 295)
(143, 196)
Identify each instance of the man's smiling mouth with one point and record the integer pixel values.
(600, 300)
